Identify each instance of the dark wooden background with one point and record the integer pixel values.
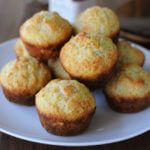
(12, 14)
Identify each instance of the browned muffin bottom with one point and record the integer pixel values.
(61, 127)
(100, 82)
(42, 54)
(19, 98)
(128, 105)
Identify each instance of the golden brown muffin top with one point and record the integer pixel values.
(98, 21)
(21, 50)
(65, 99)
(131, 82)
(57, 69)
(45, 29)
(24, 75)
(88, 57)
(129, 54)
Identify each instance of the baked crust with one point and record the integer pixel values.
(40, 53)
(20, 49)
(62, 127)
(57, 69)
(44, 33)
(89, 59)
(128, 105)
(22, 78)
(65, 107)
(98, 21)
(129, 54)
(100, 81)
(19, 98)
(129, 90)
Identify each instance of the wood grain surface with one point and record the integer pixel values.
(12, 14)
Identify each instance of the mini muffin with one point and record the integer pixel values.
(129, 90)
(65, 107)
(44, 34)
(21, 79)
(57, 69)
(129, 54)
(98, 21)
(89, 59)
(20, 50)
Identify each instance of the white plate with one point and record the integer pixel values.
(106, 127)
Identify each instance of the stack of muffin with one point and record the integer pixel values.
(86, 54)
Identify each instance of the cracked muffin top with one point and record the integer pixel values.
(88, 57)
(45, 30)
(131, 82)
(24, 75)
(98, 21)
(65, 99)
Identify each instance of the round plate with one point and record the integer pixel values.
(106, 127)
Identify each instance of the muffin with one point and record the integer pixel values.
(44, 34)
(129, 90)
(129, 54)
(20, 50)
(21, 79)
(65, 107)
(89, 59)
(98, 21)
(57, 69)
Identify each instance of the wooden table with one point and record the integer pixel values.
(12, 14)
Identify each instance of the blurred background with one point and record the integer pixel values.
(134, 15)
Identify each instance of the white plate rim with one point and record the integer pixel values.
(6, 131)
